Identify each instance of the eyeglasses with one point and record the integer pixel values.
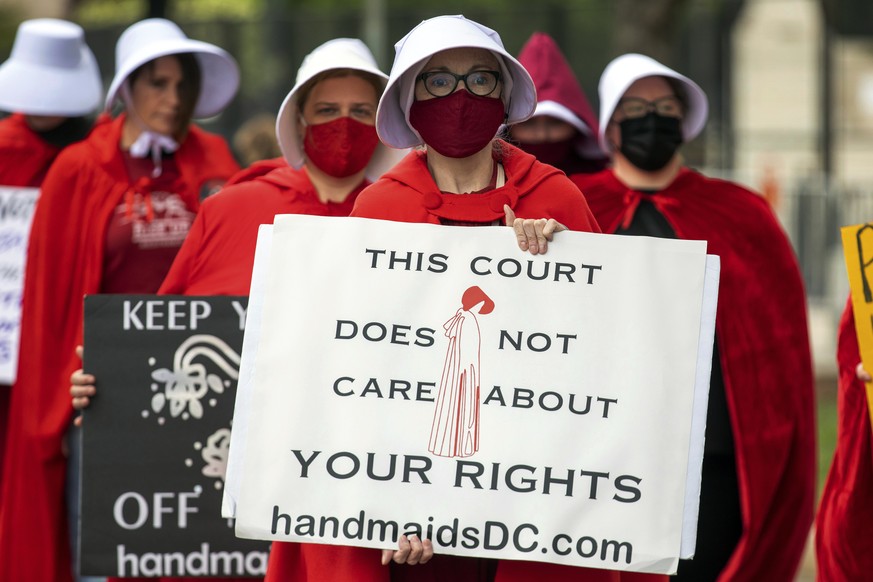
(443, 83)
(635, 107)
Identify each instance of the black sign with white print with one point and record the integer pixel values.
(156, 437)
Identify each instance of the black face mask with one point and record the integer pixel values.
(649, 142)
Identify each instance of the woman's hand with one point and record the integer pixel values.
(410, 551)
(863, 374)
(533, 234)
(81, 388)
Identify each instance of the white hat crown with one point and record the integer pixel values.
(50, 71)
(623, 71)
(412, 53)
(339, 53)
(52, 43)
(153, 38)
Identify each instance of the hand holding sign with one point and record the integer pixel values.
(411, 551)
(81, 388)
(858, 251)
(533, 234)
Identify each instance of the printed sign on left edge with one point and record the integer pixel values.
(16, 215)
(156, 437)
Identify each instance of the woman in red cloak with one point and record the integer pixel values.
(331, 152)
(843, 530)
(46, 53)
(563, 129)
(113, 213)
(451, 88)
(758, 483)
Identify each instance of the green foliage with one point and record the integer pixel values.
(105, 12)
(9, 20)
(206, 9)
(435, 6)
(826, 420)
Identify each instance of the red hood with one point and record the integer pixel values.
(554, 79)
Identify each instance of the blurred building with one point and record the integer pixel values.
(802, 111)
(37, 8)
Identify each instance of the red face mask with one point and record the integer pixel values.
(458, 125)
(340, 148)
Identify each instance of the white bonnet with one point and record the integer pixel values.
(412, 53)
(623, 71)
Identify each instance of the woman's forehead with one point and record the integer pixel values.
(350, 86)
(166, 66)
(650, 88)
(463, 58)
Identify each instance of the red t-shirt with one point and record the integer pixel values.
(218, 255)
(146, 229)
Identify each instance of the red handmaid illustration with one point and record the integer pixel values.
(455, 428)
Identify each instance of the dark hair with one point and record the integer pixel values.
(377, 82)
(189, 90)
(679, 90)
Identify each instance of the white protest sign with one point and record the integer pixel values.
(701, 402)
(437, 380)
(16, 214)
(251, 339)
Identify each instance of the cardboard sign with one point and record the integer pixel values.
(156, 437)
(438, 381)
(16, 215)
(858, 252)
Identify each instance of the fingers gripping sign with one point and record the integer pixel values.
(862, 374)
(81, 388)
(532, 234)
(410, 550)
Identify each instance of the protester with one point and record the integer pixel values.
(114, 211)
(758, 483)
(563, 129)
(50, 83)
(331, 150)
(325, 128)
(843, 540)
(464, 176)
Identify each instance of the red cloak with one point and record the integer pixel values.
(256, 170)
(218, 255)
(843, 529)
(24, 160)
(764, 347)
(24, 156)
(556, 84)
(407, 193)
(65, 260)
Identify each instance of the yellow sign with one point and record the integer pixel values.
(858, 250)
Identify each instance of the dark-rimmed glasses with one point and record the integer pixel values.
(443, 83)
(636, 107)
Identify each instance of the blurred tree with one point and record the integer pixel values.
(9, 19)
(92, 13)
(647, 26)
(157, 9)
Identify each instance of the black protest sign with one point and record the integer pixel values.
(156, 437)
